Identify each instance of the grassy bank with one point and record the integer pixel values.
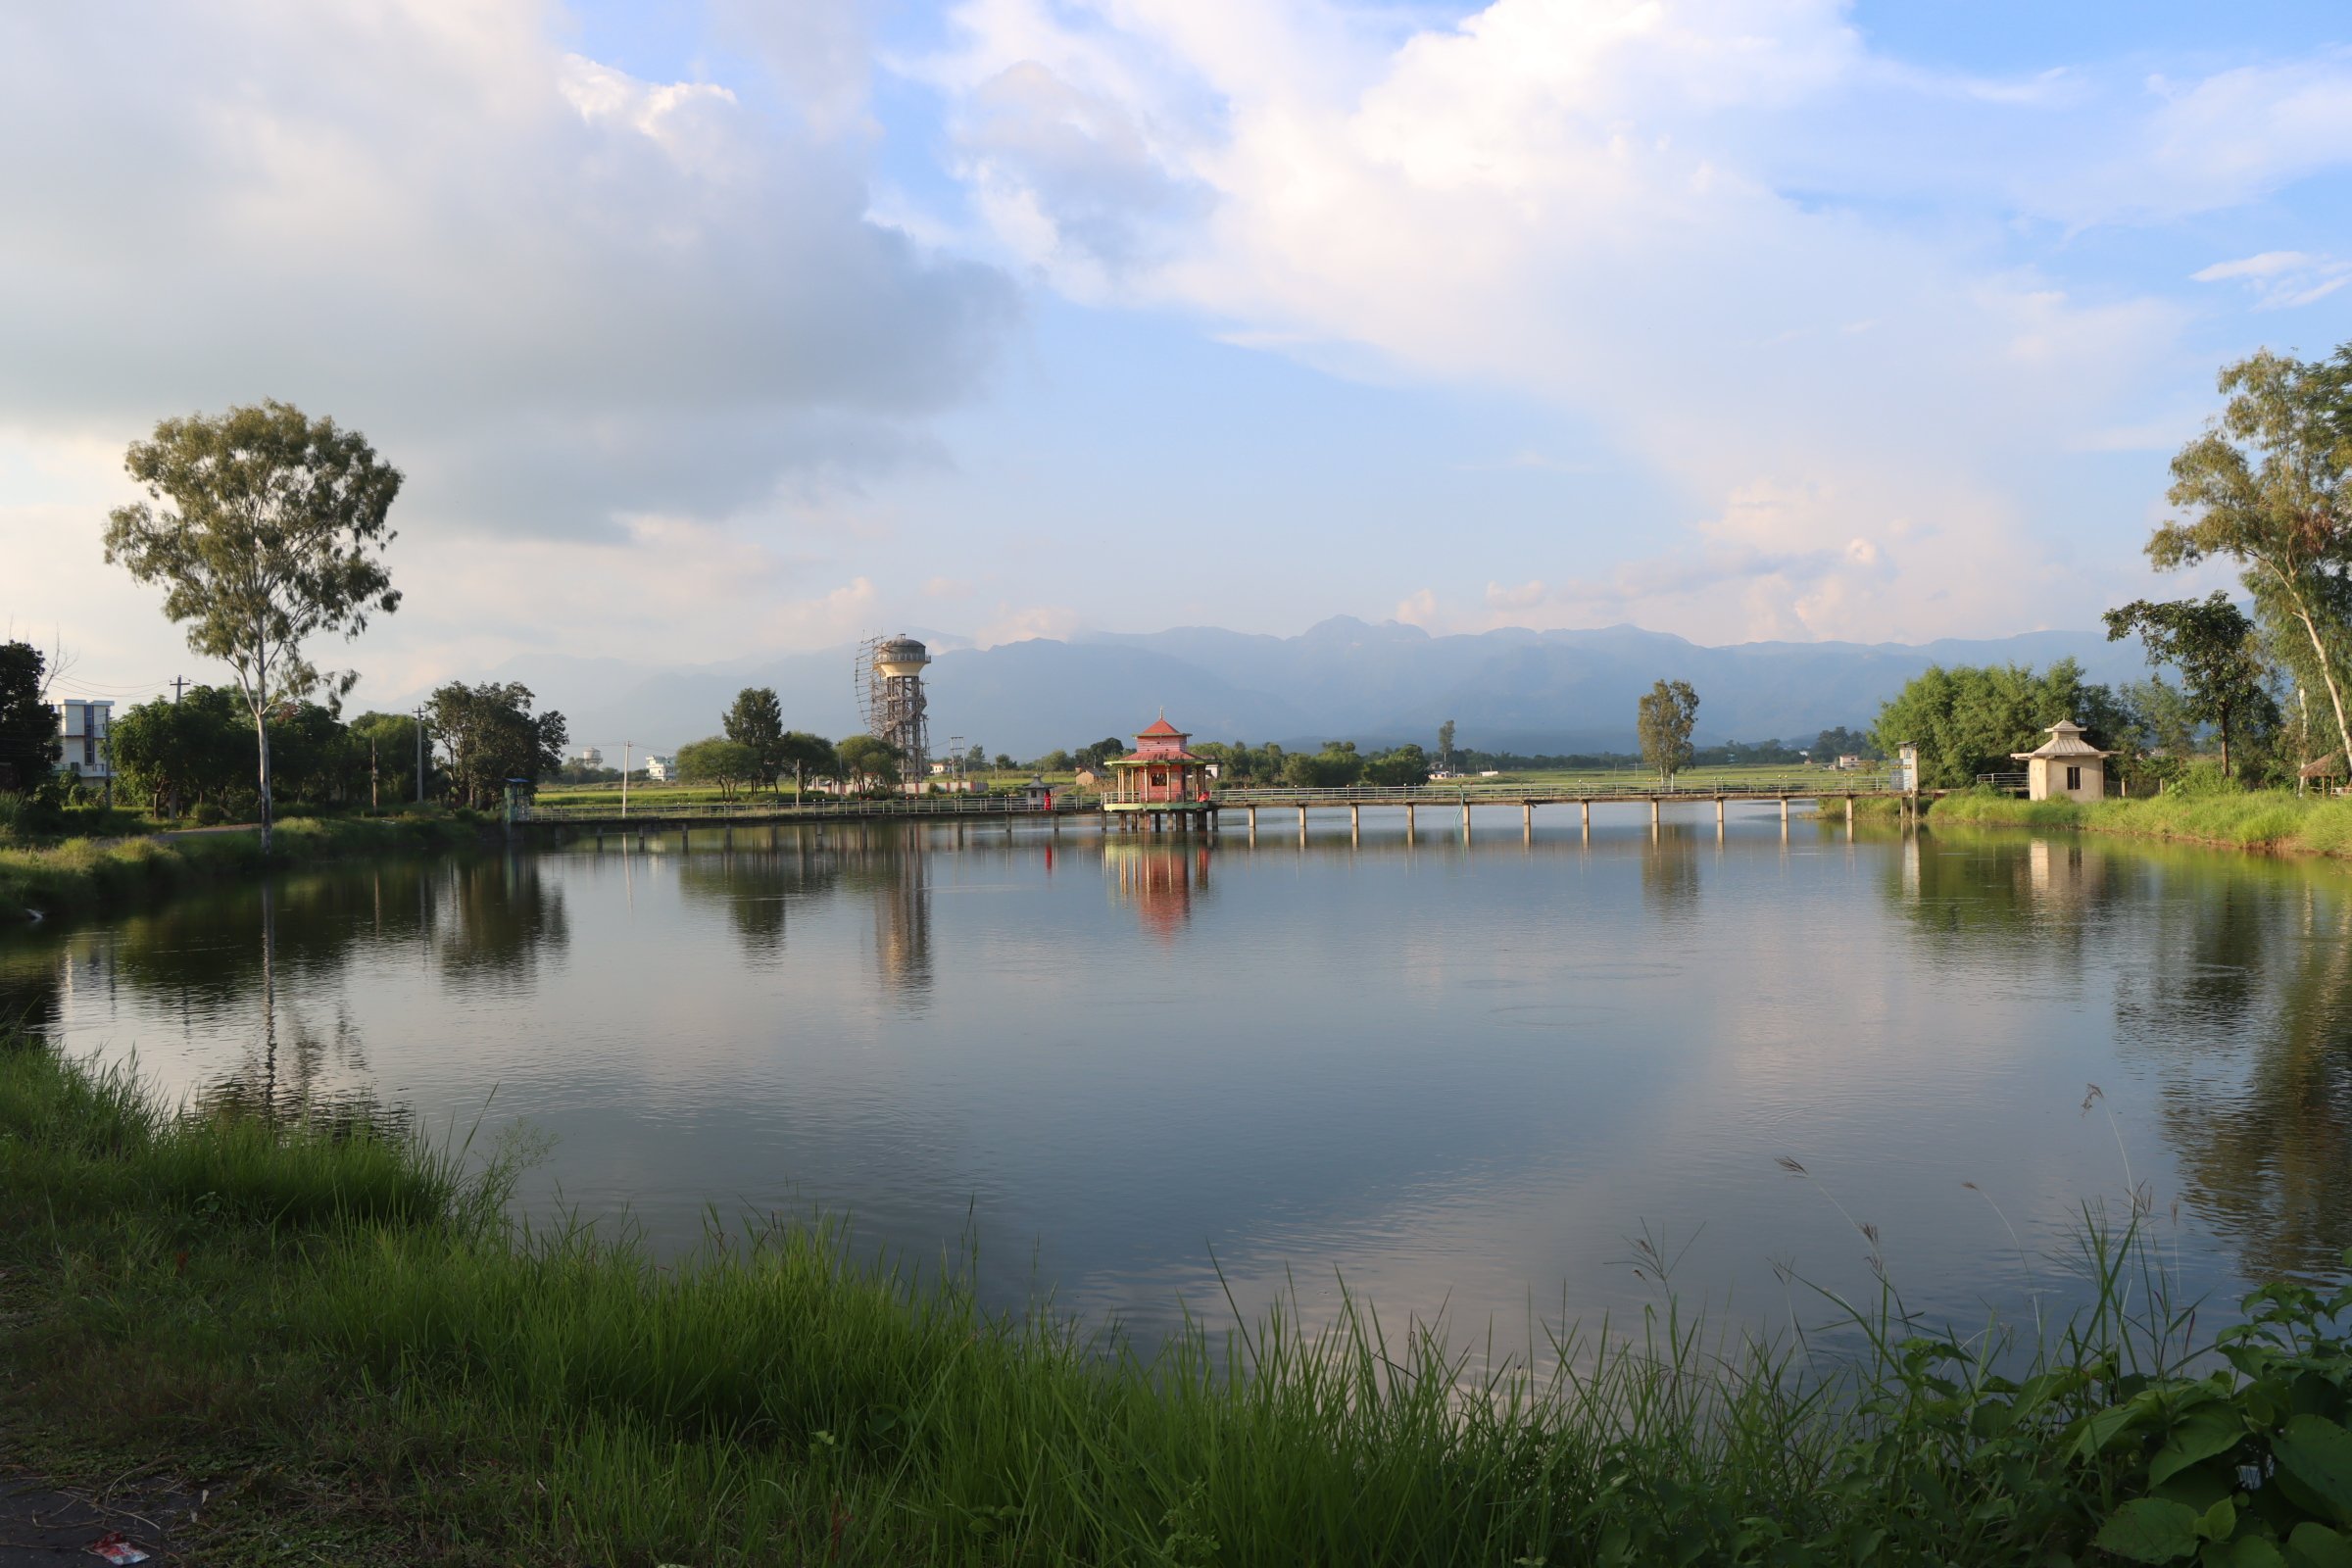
(84, 876)
(2256, 819)
(333, 1329)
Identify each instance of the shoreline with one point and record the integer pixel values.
(333, 1333)
(2271, 823)
(82, 877)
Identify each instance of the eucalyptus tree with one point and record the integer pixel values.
(2269, 485)
(263, 526)
(1664, 717)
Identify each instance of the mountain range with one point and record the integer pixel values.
(1506, 690)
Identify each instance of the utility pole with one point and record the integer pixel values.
(178, 682)
(421, 755)
(624, 779)
(375, 800)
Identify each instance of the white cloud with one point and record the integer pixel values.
(2282, 279)
(555, 294)
(1605, 205)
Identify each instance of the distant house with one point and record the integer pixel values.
(1091, 778)
(2066, 767)
(1849, 763)
(660, 769)
(81, 731)
(590, 757)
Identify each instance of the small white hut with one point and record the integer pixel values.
(2066, 767)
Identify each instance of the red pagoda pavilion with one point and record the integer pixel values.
(1160, 779)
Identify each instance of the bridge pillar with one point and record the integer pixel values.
(1653, 813)
(1719, 817)
(1783, 810)
(1527, 821)
(1301, 821)
(685, 838)
(1849, 813)
(1465, 821)
(1585, 809)
(1355, 823)
(726, 837)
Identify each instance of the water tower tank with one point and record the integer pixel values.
(901, 656)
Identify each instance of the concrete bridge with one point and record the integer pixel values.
(1204, 815)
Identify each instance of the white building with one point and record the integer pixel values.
(2066, 767)
(81, 730)
(660, 769)
(590, 757)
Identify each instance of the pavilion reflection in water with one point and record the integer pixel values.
(1158, 881)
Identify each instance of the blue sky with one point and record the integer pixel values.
(709, 327)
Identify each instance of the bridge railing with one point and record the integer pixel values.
(1495, 792)
(819, 806)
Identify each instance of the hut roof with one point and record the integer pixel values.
(2329, 766)
(2065, 740)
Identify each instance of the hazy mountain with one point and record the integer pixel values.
(1506, 690)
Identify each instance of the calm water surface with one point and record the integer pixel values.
(1460, 1077)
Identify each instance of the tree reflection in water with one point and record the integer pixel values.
(2262, 1128)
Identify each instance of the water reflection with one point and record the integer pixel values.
(1157, 881)
(1451, 1071)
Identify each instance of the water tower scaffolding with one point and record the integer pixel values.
(896, 708)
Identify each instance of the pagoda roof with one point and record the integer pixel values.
(1139, 758)
(2065, 740)
(1160, 727)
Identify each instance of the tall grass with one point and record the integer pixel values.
(85, 875)
(2252, 819)
(774, 1399)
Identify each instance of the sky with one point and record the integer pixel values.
(706, 329)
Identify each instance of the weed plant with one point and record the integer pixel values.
(345, 1313)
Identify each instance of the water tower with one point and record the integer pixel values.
(891, 700)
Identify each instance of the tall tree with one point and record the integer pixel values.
(1445, 743)
(807, 756)
(490, 735)
(2270, 486)
(28, 745)
(757, 720)
(266, 537)
(1665, 718)
(2215, 645)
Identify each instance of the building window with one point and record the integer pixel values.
(2074, 779)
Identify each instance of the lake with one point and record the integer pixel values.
(1136, 1071)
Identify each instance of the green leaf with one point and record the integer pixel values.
(2314, 1545)
(2218, 1521)
(2150, 1530)
(2201, 1437)
(2101, 1428)
(2318, 1454)
(2250, 1551)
